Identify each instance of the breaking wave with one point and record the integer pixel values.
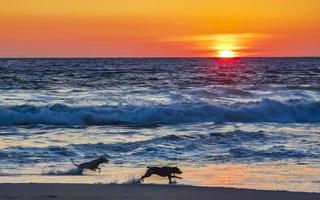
(266, 110)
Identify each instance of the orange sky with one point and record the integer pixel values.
(139, 28)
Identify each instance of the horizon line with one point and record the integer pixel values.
(150, 57)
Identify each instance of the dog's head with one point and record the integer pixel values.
(176, 170)
(103, 160)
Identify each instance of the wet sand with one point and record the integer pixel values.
(144, 191)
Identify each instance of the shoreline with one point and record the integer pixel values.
(267, 176)
(143, 191)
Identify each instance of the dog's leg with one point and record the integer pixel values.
(81, 170)
(99, 169)
(140, 180)
(170, 181)
(176, 177)
(143, 177)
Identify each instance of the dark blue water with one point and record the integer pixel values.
(177, 111)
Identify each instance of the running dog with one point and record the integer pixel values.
(163, 172)
(92, 165)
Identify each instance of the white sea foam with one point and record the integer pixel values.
(265, 110)
(132, 180)
(62, 172)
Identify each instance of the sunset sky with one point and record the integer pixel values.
(152, 28)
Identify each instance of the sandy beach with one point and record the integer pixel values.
(114, 191)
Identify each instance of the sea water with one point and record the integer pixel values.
(246, 122)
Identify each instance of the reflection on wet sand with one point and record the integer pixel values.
(269, 176)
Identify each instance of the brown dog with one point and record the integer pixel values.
(163, 172)
(92, 165)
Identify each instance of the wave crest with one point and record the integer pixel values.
(266, 110)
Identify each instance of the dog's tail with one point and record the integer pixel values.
(74, 163)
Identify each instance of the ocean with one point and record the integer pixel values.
(241, 122)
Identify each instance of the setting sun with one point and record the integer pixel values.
(226, 54)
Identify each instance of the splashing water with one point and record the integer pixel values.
(69, 172)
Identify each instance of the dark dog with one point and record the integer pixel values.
(163, 172)
(92, 165)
